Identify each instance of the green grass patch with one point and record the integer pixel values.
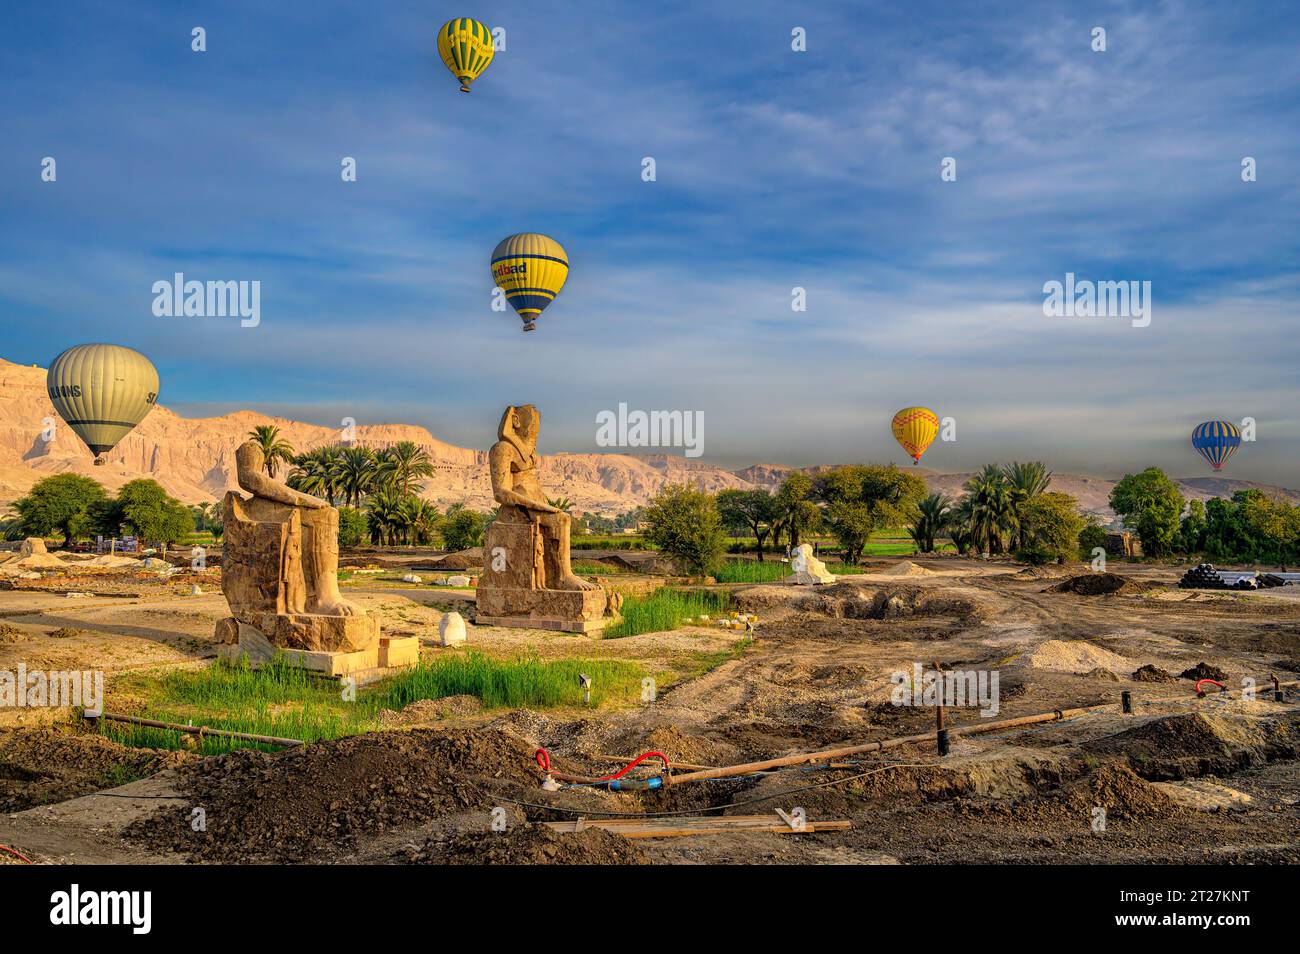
(665, 609)
(592, 568)
(751, 571)
(285, 701)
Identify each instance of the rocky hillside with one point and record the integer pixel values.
(193, 459)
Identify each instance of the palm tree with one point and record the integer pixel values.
(562, 504)
(402, 465)
(422, 521)
(1025, 482)
(356, 468)
(267, 438)
(933, 515)
(317, 472)
(991, 510)
(387, 517)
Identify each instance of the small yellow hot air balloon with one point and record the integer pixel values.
(531, 269)
(915, 429)
(465, 45)
(102, 391)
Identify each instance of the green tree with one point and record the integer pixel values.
(143, 508)
(1092, 536)
(402, 465)
(1024, 483)
(932, 517)
(319, 473)
(1150, 505)
(267, 437)
(357, 474)
(797, 513)
(1051, 523)
(1193, 528)
(352, 527)
(62, 503)
(749, 511)
(861, 500)
(463, 528)
(992, 509)
(684, 523)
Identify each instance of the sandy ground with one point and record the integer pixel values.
(1182, 779)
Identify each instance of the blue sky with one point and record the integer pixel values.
(775, 169)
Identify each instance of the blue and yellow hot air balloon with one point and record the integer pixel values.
(1216, 441)
(465, 45)
(531, 269)
(915, 429)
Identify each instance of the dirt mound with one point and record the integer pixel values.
(905, 568)
(1116, 788)
(424, 711)
(11, 634)
(677, 745)
(1194, 744)
(1150, 673)
(1203, 670)
(1094, 584)
(461, 560)
(525, 845)
(65, 632)
(1074, 656)
(854, 601)
(292, 805)
(43, 766)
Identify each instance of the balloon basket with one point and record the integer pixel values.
(99, 462)
(529, 326)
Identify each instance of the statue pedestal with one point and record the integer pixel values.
(517, 562)
(570, 611)
(370, 656)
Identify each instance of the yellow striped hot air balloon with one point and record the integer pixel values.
(465, 45)
(915, 429)
(531, 270)
(102, 391)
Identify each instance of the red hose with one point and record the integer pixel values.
(1213, 682)
(544, 760)
(16, 854)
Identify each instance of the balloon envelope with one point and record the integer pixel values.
(915, 429)
(465, 46)
(102, 391)
(1216, 441)
(531, 269)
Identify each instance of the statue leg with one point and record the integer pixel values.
(563, 577)
(320, 552)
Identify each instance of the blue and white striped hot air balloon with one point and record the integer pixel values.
(1216, 441)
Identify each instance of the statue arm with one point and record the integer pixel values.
(503, 483)
(260, 485)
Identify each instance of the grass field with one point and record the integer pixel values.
(664, 610)
(285, 701)
(752, 571)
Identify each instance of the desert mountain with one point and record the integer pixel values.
(194, 457)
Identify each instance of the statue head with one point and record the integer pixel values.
(523, 423)
(249, 458)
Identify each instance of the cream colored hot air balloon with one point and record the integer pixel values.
(102, 391)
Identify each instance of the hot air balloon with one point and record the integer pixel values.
(102, 391)
(465, 45)
(915, 429)
(1216, 441)
(531, 270)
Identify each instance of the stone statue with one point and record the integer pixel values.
(279, 568)
(807, 568)
(528, 579)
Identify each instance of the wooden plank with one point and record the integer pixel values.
(696, 825)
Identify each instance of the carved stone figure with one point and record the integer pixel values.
(280, 567)
(527, 577)
(807, 568)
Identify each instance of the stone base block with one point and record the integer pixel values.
(577, 611)
(313, 633)
(398, 652)
(388, 655)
